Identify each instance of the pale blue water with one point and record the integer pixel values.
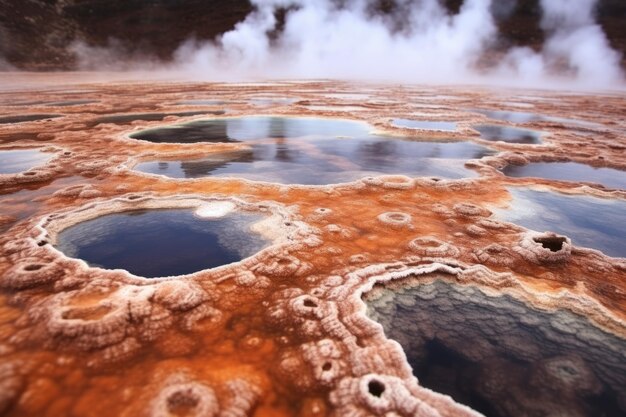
(589, 221)
(508, 134)
(12, 162)
(523, 117)
(512, 116)
(569, 171)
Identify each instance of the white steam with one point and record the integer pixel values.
(574, 44)
(419, 43)
(321, 40)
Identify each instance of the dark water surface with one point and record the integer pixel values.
(308, 151)
(149, 117)
(26, 118)
(159, 243)
(71, 103)
(501, 357)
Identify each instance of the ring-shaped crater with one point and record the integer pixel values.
(501, 356)
(164, 242)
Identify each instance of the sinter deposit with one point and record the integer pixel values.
(346, 289)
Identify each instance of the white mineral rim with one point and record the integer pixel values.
(215, 209)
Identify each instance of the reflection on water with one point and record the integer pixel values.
(27, 118)
(522, 117)
(12, 162)
(511, 116)
(30, 199)
(508, 134)
(272, 101)
(196, 168)
(589, 221)
(201, 102)
(159, 243)
(425, 125)
(308, 151)
(569, 171)
(501, 357)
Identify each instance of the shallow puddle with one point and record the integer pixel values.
(336, 108)
(523, 117)
(496, 133)
(589, 221)
(348, 96)
(195, 168)
(23, 103)
(71, 103)
(12, 162)
(241, 129)
(149, 117)
(271, 101)
(425, 125)
(27, 118)
(501, 357)
(511, 116)
(159, 243)
(519, 104)
(201, 103)
(29, 200)
(569, 171)
(308, 151)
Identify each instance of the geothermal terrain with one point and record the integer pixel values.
(440, 234)
(310, 248)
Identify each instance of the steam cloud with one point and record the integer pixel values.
(574, 42)
(420, 42)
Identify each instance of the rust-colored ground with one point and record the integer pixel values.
(282, 333)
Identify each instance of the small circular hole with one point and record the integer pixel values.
(310, 303)
(376, 388)
(181, 403)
